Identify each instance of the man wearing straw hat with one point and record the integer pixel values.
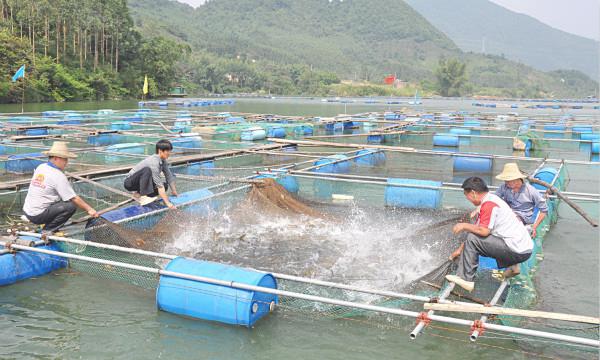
(51, 199)
(522, 197)
(498, 234)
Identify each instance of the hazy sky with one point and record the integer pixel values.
(581, 17)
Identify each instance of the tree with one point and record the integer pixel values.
(451, 77)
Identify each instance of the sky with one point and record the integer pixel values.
(580, 17)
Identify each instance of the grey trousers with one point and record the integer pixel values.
(490, 246)
(55, 216)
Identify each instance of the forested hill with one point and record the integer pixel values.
(85, 49)
(80, 50)
(366, 39)
(474, 24)
(355, 39)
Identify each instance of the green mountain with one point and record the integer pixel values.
(355, 39)
(477, 24)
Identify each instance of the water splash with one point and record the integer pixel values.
(371, 247)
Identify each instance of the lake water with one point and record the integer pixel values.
(74, 315)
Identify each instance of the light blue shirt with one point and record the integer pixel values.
(523, 202)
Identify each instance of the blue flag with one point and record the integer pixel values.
(19, 74)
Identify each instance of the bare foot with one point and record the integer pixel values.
(512, 271)
(136, 195)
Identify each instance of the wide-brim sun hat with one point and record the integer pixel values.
(511, 172)
(61, 150)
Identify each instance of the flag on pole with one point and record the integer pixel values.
(389, 79)
(19, 74)
(145, 88)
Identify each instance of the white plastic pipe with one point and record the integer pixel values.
(321, 299)
(483, 319)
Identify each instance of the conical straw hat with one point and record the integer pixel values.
(511, 172)
(61, 150)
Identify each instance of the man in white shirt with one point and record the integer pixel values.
(498, 234)
(51, 199)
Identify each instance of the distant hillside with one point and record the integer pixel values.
(350, 37)
(356, 39)
(470, 23)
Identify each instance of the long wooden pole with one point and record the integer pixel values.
(23, 96)
(557, 192)
(102, 186)
(511, 312)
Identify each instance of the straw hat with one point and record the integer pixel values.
(60, 149)
(511, 172)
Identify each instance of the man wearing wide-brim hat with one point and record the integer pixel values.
(522, 197)
(51, 199)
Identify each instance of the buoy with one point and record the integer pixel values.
(445, 139)
(215, 302)
(475, 164)
(424, 195)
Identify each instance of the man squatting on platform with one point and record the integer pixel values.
(498, 233)
(152, 176)
(50, 198)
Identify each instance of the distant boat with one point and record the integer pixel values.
(417, 99)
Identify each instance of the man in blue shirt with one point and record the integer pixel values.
(522, 197)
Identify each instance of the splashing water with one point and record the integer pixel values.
(372, 247)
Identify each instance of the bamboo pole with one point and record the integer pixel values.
(558, 193)
(102, 186)
(420, 151)
(496, 310)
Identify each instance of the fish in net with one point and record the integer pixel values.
(266, 197)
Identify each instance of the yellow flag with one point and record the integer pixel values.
(145, 88)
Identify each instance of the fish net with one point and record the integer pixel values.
(262, 201)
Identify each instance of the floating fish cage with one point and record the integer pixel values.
(339, 167)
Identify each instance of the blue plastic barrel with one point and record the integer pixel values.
(375, 139)
(120, 125)
(163, 104)
(487, 263)
(186, 142)
(348, 124)
(33, 132)
(276, 132)
(24, 163)
(288, 182)
(595, 147)
(333, 167)
(546, 174)
(203, 168)
(253, 134)
(71, 119)
(590, 136)
(215, 302)
(127, 148)
(200, 208)
(445, 139)
(26, 264)
(582, 129)
(476, 164)
(413, 197)
(370, 157)
(460, 131)
(104, 139)
(52, 114)
(555, 127)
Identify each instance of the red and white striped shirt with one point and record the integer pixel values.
(496, 215)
